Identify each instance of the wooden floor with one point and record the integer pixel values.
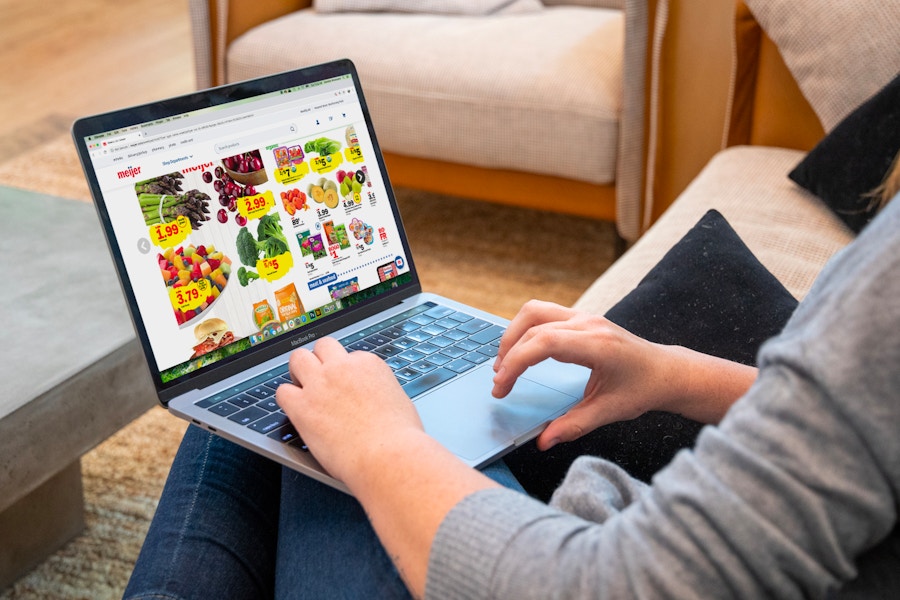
(63, 60)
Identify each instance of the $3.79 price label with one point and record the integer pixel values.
(276, 267)
(169, 235)
(254, 207)
(190, 296)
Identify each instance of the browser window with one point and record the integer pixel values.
(244, 221)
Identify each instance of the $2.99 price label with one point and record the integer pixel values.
(276, 267)
(169, 235)
(254, 207)
(190, 296)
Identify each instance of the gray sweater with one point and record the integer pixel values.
(794, 494)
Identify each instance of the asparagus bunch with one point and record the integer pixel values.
(162, 208)
(169, 185)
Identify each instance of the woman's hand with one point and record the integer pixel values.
(362, 427)
(345, 405)
(629, 375)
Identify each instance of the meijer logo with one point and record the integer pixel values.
(129, 172)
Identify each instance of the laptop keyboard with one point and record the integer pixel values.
(424, 346)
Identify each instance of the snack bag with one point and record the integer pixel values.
(288, 302)
(262, 313)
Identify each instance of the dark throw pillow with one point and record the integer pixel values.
(708, 293)
(855, 157)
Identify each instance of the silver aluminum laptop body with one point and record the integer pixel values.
(332, 257)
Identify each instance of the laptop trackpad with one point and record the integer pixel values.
(475, 426)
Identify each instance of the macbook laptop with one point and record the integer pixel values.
(254, 218)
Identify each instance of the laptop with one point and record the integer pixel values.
(255, 218)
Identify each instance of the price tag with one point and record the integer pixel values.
(169, 235)
(190, 296)
(254, 207)
(276, 267)
(324, 164)
(354, 155)
(293, 173)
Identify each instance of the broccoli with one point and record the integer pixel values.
(271, 241)
(269, 226)
(245, 276)
(247, 247)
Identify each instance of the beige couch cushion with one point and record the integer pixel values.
(449, 7)
(840, 51)
(788, 229)
(538, 92)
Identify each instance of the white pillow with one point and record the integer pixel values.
(446, 7)
(840, 52)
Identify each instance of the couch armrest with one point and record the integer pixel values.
(216, 23)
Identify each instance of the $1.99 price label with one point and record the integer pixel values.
(254, 207)
(169, 235)
(190, 296)
(276, 267)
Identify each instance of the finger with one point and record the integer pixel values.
(287, 396)
(553, 340)
(301, 362)
(567, 428)
(329, 348)
(532, 314)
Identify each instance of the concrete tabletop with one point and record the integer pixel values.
(61, 303)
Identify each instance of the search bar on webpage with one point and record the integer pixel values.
(272, 135)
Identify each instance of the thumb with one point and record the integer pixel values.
(563, 429)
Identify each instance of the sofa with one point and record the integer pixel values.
(541, 107)
(746, 94)
(762, 153)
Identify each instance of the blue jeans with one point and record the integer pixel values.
(232, 524)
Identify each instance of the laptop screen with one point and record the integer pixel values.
(242, 216)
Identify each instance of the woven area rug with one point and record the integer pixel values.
(489, 256)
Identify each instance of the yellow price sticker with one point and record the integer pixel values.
(169, 235)
(354, 155)
(324, 164)
(276, 267)
(293, 173)
(190, 296)
(254, 207)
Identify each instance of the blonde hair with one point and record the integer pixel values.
(890, 187)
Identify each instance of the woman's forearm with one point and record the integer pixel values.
(705, 386)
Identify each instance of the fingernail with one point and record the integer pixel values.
(552, 443)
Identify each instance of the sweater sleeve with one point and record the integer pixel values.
(800, 478)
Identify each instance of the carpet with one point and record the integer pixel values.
(492, 257)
